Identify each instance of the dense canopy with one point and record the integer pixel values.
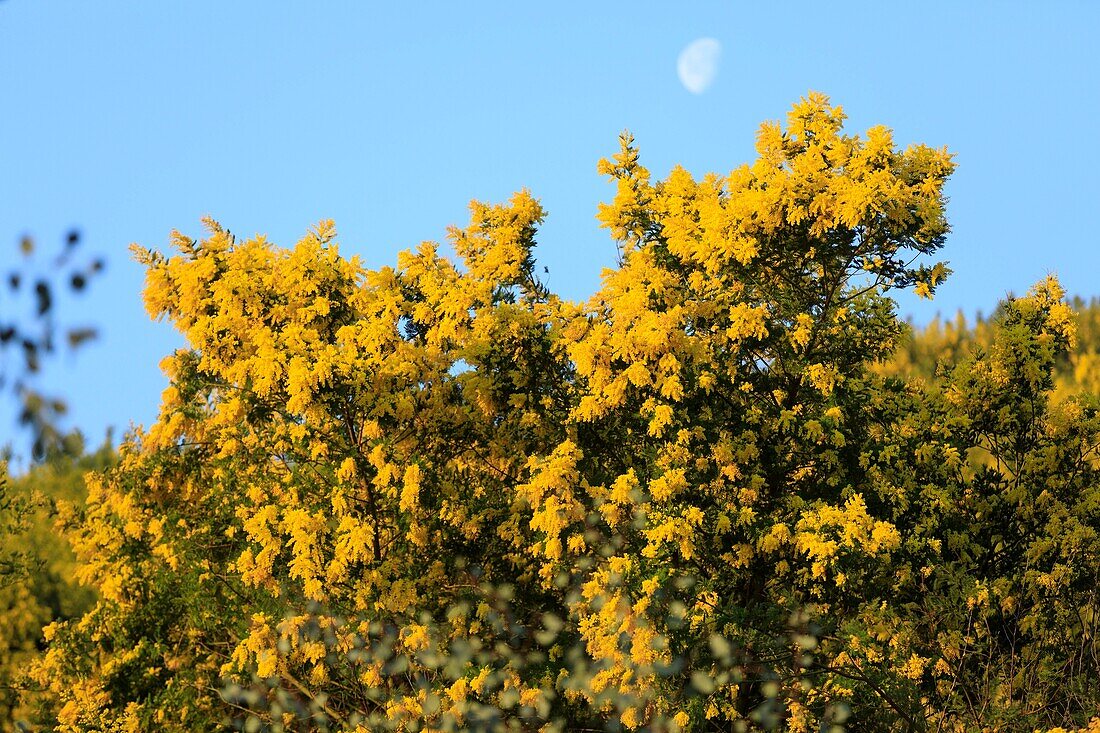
(440, 497)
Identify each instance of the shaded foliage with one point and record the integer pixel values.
(41, 587)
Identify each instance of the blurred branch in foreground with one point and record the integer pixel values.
(31, 333)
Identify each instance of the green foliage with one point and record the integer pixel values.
(37, 583)
(948, 342)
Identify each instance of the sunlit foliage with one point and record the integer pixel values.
(943, 343)
(440, 497)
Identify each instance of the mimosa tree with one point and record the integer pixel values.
(440, 497)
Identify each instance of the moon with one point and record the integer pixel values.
(698, 64)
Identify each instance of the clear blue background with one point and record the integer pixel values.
(130, 119)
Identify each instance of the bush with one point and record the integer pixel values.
(439, 497)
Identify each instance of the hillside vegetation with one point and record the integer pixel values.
(732, 490)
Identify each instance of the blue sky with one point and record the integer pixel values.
(130, 119)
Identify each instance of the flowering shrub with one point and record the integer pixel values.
(36, 572)
(440, 497)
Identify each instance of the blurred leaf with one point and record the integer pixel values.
(30, 355)
(44, 299)
(78, 336)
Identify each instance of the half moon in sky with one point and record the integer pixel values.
(698, 64)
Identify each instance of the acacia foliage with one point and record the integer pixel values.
(943, 343)
(440, 497)
(37, 583)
